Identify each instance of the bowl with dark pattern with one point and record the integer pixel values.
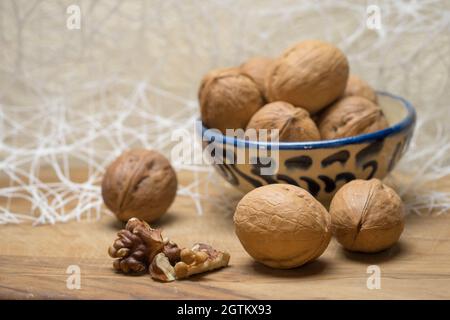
(321, 167)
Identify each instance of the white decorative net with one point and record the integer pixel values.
(77, 98)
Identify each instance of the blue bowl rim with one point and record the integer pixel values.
(408, 121)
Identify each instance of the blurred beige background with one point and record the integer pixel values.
(129, 76)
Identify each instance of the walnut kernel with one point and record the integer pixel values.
(135, 247)
(161, 268)
(200, 258)
(139, 248)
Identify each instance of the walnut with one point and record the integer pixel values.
(311, 75)
(358, 87)
(139, 248)
(140, 183)
(228, 99)
(293, 123)
(351, 116)
(257, 68)
(135, 247)
(161, 269)
(366, 216)
(282, 226)
(200, 258)
(172, 252)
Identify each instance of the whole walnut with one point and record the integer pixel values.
(139, 183)
(257, 68)
(282, 226)
(351, 116)
(228, 99)
(293, 123)
(358, 87)
(366, 216)
(311, 74)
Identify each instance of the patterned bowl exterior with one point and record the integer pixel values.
(320, 167)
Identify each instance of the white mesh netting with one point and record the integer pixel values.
(77, 98)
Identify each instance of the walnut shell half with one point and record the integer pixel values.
(139, 183)
(311, 74)
(282, 226)
(293, 123)
(367, 216)
(228, 99)
(351, 116)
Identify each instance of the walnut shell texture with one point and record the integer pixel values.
(282, 226)
(293, 123)
(358, 87)
(351, 116)
(311, 74)
(139, 183)
(367, 216)
(257, 68)
(228, 99)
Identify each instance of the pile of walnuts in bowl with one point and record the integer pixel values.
(307, 93)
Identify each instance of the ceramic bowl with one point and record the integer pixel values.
(321, 167)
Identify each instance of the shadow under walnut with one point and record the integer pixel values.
(309, 269)
(398, 250)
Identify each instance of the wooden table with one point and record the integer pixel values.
(34, 261)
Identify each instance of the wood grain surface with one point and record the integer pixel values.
(34, 260)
